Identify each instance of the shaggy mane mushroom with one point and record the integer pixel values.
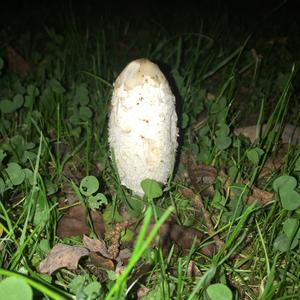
(142, 125)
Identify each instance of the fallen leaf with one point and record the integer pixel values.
(124, 254)
(201, 176)
(182, 236)
(68, 195)
(96, 245)
(119, 269)
(260, 196)
(290, 132)
(123, 259)
(62, 256)
(72, 171)
(17, 63)
(73, 223)
(101, 262)
(142, 292)
(192, 270)
(275, 162)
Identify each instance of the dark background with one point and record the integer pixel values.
(280, 15)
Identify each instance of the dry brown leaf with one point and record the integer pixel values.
(275, 164)
(62, 256)
(73, 223)
(124, 254)
(73, 171)
(260, 196)
(17, 63)
(192, 270)
(201, 176)
(290, 132)
(142, 292)
(96, 245)
(68, 195)
(120, 269)
(101, 262)
(278, 40)
(123, 258)
(171, 233)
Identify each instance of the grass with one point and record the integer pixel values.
(54, 133)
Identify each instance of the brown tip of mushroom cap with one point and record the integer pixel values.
(138, 72)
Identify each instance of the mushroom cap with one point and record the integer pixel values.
(142, 125)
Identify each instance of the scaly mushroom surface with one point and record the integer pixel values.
(143, 125)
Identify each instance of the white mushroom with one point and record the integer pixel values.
(142, 125)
